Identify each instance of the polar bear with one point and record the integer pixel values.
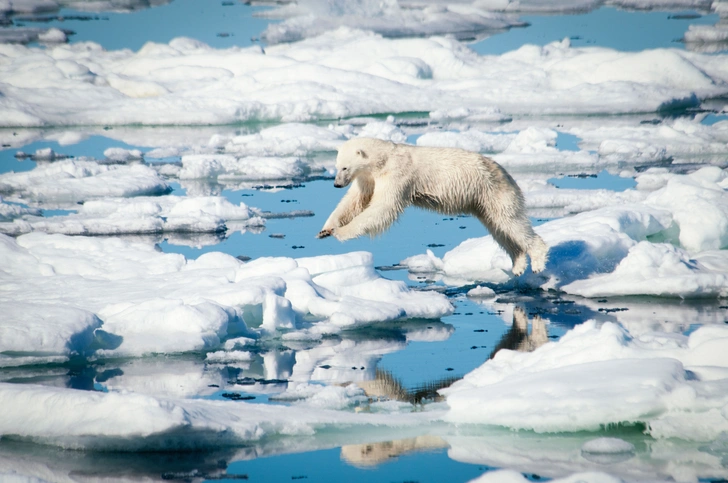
(386, 177)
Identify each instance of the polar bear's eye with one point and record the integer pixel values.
(344, 169)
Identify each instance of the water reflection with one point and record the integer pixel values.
(372, 454)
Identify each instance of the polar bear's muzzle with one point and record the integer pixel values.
(342, 179)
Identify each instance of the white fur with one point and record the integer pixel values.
(386, 177)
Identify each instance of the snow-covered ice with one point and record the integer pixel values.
(675, 386)
(667, 245)
(333, 351)
(339, 74)
(130, 299)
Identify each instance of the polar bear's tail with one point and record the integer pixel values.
(538, 251)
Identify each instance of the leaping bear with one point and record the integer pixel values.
(386, 177)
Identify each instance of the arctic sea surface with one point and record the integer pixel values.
(167, 312)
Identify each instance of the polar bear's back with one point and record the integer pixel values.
(454, 181)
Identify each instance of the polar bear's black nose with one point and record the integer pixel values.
(338, 185)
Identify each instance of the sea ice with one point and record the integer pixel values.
(618, 249)
(129, 299)
(309, 18)
(140, 215)
(136, 422)
(339, 74)
(598, 376)
(70, 181)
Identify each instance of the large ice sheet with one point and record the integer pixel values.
(129, 299)
(140, 216)
(136, 422)
(70, 181)
(600, 376)
(662, 246)
(308, 18)
(338, 74)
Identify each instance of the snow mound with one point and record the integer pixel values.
(596, 377)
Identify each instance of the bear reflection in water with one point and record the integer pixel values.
(518, 338)
(386, 386)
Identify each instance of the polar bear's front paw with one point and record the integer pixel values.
(325, 233)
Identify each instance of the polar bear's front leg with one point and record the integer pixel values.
(386, 205)
(350, 205)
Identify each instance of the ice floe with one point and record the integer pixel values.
(671, 384)
(137, 422)
(130, 299)
(70, 181)
(309, 18)
(339, 74)
(139, 216)
(619, 249)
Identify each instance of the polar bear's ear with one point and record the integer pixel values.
(361, 153)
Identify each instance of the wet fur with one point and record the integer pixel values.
(386, 178)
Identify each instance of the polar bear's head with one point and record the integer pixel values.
(357, 156)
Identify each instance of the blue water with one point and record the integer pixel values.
(601, 180)
(628, 31)
(214, 22)
(475, 329)
(328, 465)
(92, 146)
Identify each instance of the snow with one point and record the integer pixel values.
(309, 18)
(136, 422)
(569, 381)
(636, 389)
(141, 215)
(70, 181)
(130, 299)
(342, 73)
(622, 249)
(607, 445)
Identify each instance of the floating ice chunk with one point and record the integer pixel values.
(482, 114)
(134, 422)
(699, 206)
(657, 269)
(130, 299)
(591, 251)
(384, 130)
(53, 36)
(289, 139)
(510, 476)
(227, 167)
(471, 140)
(142, 215)
(45, 330)
(706, 33)
(564, 386)
(311, 18)
(9, 212)
(607, 445)
(70, 181)
(222, 357)
(344, 73)
(26, 35)
(683, 140)
(481, 292)
(122, 155)
(560, 201)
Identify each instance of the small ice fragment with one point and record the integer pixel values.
(232, 356)
(482, 291)
(607, 446)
